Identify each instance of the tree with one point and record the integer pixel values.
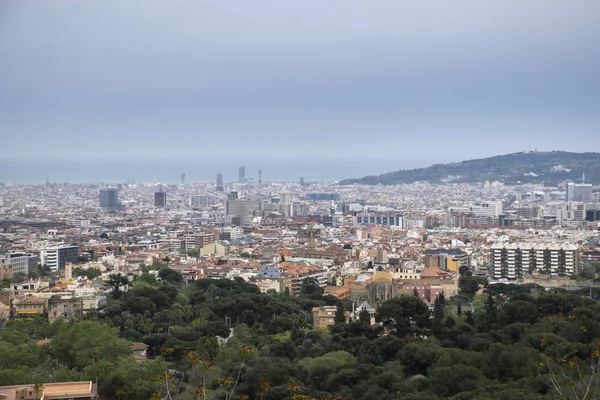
(116, 282)
(170, 276)
(79, 344)
(364, 316)
(404, 315)
(19, 277)
(310, 286)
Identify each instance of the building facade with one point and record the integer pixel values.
(20, 262)
(511, 261)
(56, 257)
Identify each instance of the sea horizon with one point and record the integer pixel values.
(169, 171)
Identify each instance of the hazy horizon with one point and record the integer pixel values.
(338, 80)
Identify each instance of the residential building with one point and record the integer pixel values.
(67, 308)
(85, 390)
(511, 261)
(199, 240)
(487, 209)
(203, 201)
(29, 306)
(56, 257)
(324, 317)
(323, 196)
(446, 259)
(5, 272)
(388, 219)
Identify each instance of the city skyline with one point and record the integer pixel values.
(342, 80)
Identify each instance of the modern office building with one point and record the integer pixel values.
(109, 199)
(511, 261)
(20, 262)
(56, 257)
(242, 174)
(160, 199)
(581, 192)
(242, 210)
(220, 187)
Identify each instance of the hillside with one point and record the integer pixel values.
(531, 167)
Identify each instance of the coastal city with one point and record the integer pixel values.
(359, 243)
(299, 200)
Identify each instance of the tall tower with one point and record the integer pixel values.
(242, 174)
(109, 199)
(183, 178)
(259, 177)
(302, 181)
(160, 197)
(220, 187)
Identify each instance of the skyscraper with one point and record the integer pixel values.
(183, 178)
(109, 198)
(242, 174)
(160, 199)
(220, 186)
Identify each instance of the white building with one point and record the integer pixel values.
(513, 260)
(56, 257)
(487, 209)
(20, 262)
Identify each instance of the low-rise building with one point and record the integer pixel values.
(67, 308)
(85, 390)
(29, 306)
(324, 316)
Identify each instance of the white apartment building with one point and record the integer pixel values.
(513, 260)
(487, 209)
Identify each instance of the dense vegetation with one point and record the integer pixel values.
(506, 344)
(510, 169)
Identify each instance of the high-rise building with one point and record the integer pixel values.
(242, 210)
(511, 261)
(220, 187)
(581, 192)
(202, 201)
(160, 199)
(242, 174)
(56, 257)
(109, 199)
(20, 262)
(183, 178)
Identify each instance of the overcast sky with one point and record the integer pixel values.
(313, 78)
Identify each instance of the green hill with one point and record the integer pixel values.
(550, 167)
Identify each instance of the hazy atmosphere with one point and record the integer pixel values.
(387, 84)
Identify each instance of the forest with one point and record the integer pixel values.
(223, 339)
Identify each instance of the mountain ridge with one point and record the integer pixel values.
(550, 167)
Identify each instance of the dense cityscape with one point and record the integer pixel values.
(299, 200)
(113, 254)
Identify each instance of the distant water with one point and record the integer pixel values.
(169, 171)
